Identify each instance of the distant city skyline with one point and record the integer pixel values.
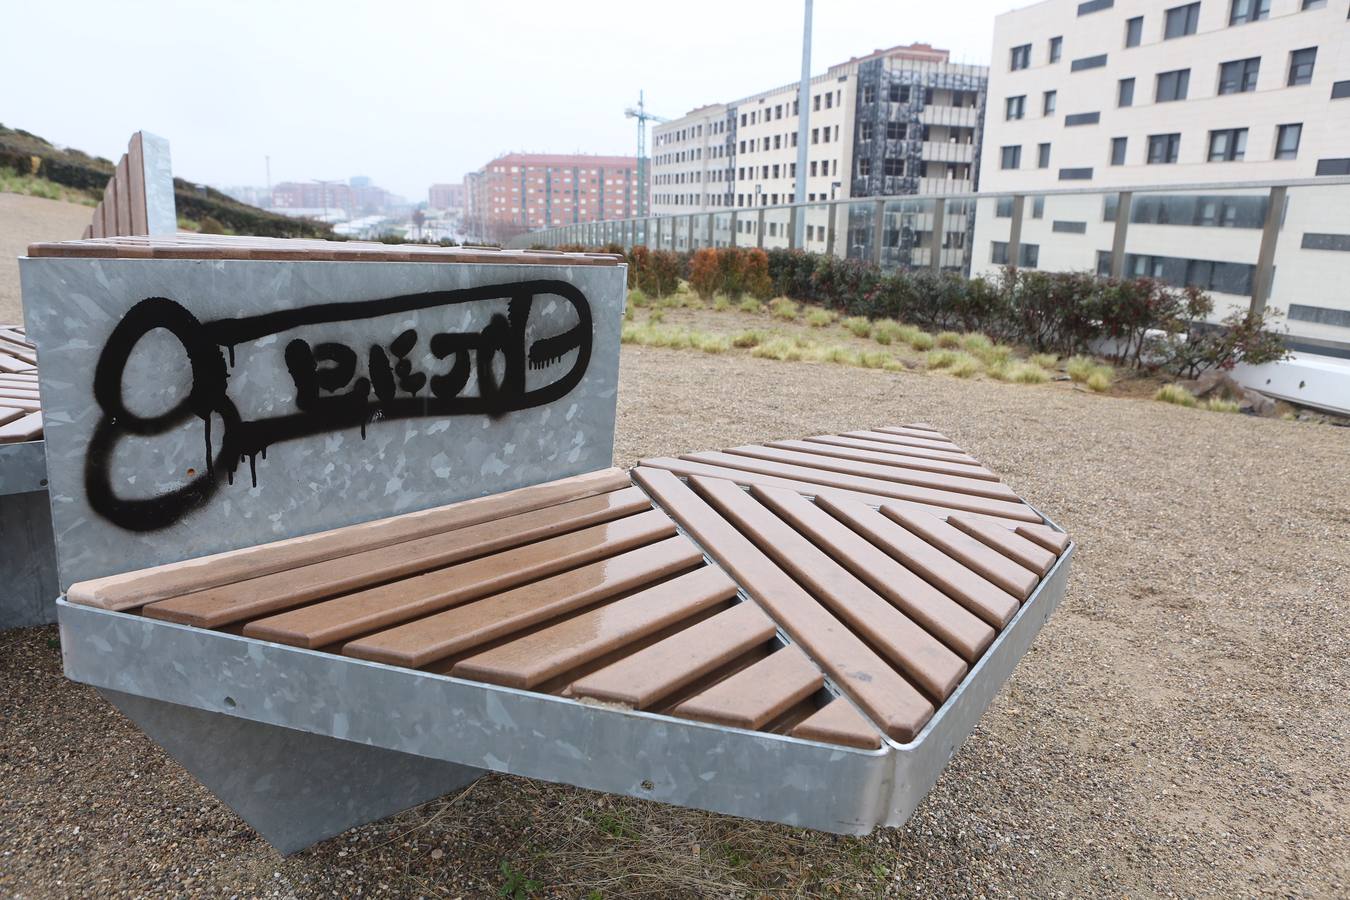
(425, 95)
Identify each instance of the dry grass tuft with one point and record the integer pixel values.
(887, 331)
(721, 303)
(746, 339)
(965, 366)
(921, 340)
(836, 353)
(949, 340)
(784, 308)
(1044, 360)
(778, 348)
(1218, 404)
(977, 343)
(819, 318)
(1175, 394)
(750, 305)
(940, 359)
(858, 326)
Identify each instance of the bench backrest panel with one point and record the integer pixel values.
(200, 405)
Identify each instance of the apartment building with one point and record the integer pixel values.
(446, 196)
(905, 120)
(521, 192)
(1131, 93)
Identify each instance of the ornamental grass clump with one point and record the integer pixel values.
(948, 340)
(921, 340)
(941, 359)
(1218, 404)
(965, 366)
(819, 318)
(1044, 360)
(783, 308)
(887, 331)
(1176, 395)
(778, 348)
(747, 339)
(858, 326)
(750, 305)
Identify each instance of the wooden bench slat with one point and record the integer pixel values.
(836, 440)
(1054, 541)
(22, 403)
(930, 434)
(982, 597)
(991, 564)
(921, 426)
(132, 589)
(950, 622)
(946, 500)
(136, 185)
(838, 722)
(15, 393)
(465, 627)
(648, 676)
(759, 694)
(327, 621)
(1025, 553)
(28, 428)
(551, 652)
(948, 450)
(887, 459)
(895, 704)
(357, 571)
(14, 366)
(994, 490)
(906, 645)
(9, 414)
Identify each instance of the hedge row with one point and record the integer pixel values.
(1139, 322)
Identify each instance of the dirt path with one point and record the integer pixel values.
(25, 220)
(1178, 728)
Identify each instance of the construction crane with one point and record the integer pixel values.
(643, 117)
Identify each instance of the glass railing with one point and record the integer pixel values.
(1250, 245)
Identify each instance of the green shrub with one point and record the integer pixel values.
(1175, 394)
(721, 303)
(711, 343)
(873, 359)
(976, 343)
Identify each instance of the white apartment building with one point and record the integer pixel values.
(904, 120)
(1132, 93)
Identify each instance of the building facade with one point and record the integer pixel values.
(905, 120)
(446, 196)
(523, 192)
(1106, 95)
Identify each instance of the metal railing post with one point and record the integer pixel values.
(759, 229)
(829, 227)
(794, 211)
(878, 229)
(1123, 202)
(939, 214)
(712, 229)
(1015, 231)
(689, 231)
(1265, 258)
(732, 240)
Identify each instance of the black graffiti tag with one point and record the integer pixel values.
(330, 395)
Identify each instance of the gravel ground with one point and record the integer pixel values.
(25, 220)
(1179, 727)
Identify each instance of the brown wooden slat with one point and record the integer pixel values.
(643, 679)
(896, 449)
(122, 179)
(887, 459)
(9, 414)
(19, 350)
(920, 426)
(941, 499)
(463, 628)
(895, 704)
(558, 649)
(929, 434)
(982, 597)
(686, 468)
(136, 185)
(22, 403)
(995, 490)
(889, 631)
(14, 366)
(29, 428)
(1025, 553)
(758, 694)
(946, 448)
(1054, 541)
(996, 567)
(132, 589)
(357, 571)
(838, 722)
(325, 622)
(959, 629)
(18, 393)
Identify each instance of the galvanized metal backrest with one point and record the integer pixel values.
(196, 405)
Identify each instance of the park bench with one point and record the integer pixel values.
(332, 592)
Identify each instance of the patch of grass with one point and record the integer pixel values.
(819, 318)
(857, 326)
(921, 340)
(948, 340)
(656, 316)
(1018, 373)
(941, 359)
(637, 297)
(750, 305)
(746, 339)
(996, 355)
(1080, 367)
(1218, 404)
(515, 884)
(783, 308)
(13, 182)
(779, 348)
(711, 343)
(836, 353)
(965, 366)
(887, 331)
(873, 359)
(1099, 381)
(1044, 360)
(976, 343)
(1175, 394)
(721, 303)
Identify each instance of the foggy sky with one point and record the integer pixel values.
(411, 93)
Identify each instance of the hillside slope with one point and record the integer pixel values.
(25, 220)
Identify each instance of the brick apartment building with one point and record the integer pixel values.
(446, 196)
(522, 192)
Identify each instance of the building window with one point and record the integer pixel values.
(892, 167)
(1118, 151)
(1089, 118)
(1313, 4)
(896, 131)
(1048, 103)
(815, 135)
(1003, 208)
(864, 167)
(1134, 31)
(1181, 21)
(1042, 156)
(1056, 48)
(1020, 57)
(1286, 140)
(1038, 207)
(1015, 107)
(865, 130)
(1082, 174)
(1012, 157)
(899, 93)
(1248, 11)
(869, 93)
(1239, 76)
(1088, 62)
(1162, 148)
(1227, 145)
(1301, 65)
(1333, 166)
(1092, 6)
(1125, 92)
(1172, 86)
(1340, 90)
(829, 100)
